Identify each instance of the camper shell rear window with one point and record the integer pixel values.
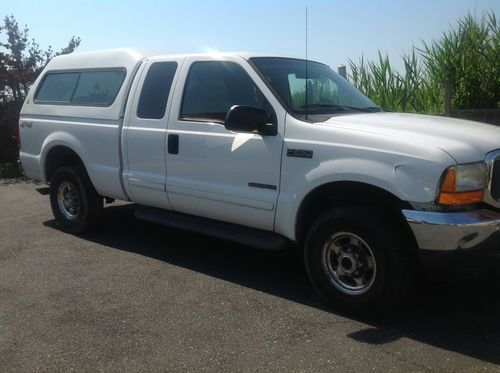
(96, 87)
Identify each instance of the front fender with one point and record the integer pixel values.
(409, 180)
(396, 179)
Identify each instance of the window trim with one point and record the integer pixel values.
(211, 120)
(79, 71)
(170, 90)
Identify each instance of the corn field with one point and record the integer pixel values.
(460, 70)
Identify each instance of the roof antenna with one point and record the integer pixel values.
(306, 67)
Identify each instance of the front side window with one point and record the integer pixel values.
(155, 90)
(213, 87)
(90, 88)
(315, 91)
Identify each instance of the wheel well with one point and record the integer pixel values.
(342, 193)
(60, 156)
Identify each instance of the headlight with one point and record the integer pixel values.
(463, 184)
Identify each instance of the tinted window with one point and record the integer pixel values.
(98, 87)
(155, 90)
(57, 87)
(81, 87)
(317, 90)
(322, 92)
(213, 87)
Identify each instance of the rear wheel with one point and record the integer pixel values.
(356, 259)
(75, 203)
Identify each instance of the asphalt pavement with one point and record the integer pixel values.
(134, 296)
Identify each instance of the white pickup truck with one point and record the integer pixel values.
(266, 151)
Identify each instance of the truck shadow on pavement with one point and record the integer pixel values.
(459, 315)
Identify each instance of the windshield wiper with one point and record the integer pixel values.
(369, 109)
(329, 106)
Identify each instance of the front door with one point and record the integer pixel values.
(214, 172)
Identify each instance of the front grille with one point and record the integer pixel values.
(495, 180)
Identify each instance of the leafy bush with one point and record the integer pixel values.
(9, 169)
(460, 70)
(21, 60)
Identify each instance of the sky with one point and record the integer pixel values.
(337, 30)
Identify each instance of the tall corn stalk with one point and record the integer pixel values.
(460, 70)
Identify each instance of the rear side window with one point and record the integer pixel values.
(57, 87)
(155, 90)
(98, 87)
(89, 88)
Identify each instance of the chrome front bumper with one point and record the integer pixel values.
(439, 231)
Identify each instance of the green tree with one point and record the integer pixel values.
(21, 61)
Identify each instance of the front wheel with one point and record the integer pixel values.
(356, 259)
(74, 201)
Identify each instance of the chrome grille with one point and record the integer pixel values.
(493, 195)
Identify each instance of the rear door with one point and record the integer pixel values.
(144, 132)
(214, 172)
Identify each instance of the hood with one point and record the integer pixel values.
(466, 141)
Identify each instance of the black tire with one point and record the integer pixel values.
(89, 203)
(394, 270)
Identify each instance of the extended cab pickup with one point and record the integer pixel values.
(266, 151)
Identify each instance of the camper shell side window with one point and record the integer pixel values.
(95, 87)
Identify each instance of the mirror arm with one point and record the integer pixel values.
(268, 129)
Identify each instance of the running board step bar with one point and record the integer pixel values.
(227, 231)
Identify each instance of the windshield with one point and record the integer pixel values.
(325, 94)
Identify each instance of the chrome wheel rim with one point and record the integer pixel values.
(349, 263)
(68, 200)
